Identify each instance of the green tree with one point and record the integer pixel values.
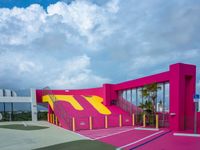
(149, 92)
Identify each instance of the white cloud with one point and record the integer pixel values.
(76, 73)
(88, 42)
(17, 64)
(81, 20)
(32, 72)
(148, 61)
(38, 47)
(113, 6)
(90, 20)
(19, 26)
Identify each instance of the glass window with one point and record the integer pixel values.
(166, 99)
(43, 107)
(129, 95)
(160, 98)
(144, 99)
(124, 95)
(134, 97)
(139, 96)
(22, 107)
(7, 106)
(21, 111)
(1, 107)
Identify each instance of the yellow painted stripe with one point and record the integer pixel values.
(96, 102)
(67, 98)
(47, 99)
(70, 99)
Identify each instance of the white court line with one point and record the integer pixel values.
(82, 135)
(112, 134)
(149, 129)
(139, 140)
(186, 134)
(72, 132)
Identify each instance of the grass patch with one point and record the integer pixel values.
(22, 127)
(80, 145)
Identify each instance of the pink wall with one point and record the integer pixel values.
(107, 94)
(182, 79)
(182, 89)
(92, 91)
(161, 77)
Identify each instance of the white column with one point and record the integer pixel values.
(33, 105)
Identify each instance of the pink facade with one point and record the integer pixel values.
(182, 80)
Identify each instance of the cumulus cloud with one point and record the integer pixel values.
(154, 34)
(81, 20)
(21, 71)
(48, 47)
(76, 73)
(89, 20)
(20, 26)
(87, 42)
(147, 62)
(18, 71)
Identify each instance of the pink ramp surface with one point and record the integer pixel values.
(88, 108)
(64, 111)
(98, 118)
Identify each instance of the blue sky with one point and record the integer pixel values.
(26, 3)
(84, 43)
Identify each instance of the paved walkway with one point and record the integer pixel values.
(26, 140)
(171, 142)
(130, 138)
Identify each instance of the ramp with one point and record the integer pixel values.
(78, 112)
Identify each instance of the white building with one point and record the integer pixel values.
(10, 96)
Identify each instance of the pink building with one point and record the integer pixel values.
(174, 102)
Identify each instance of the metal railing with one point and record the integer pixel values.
(101, 121)
(59, 110)
(128, 106)
(48, 91)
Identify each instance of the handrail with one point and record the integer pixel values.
(48, 91)
(64, 115)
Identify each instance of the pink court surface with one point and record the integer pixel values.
(132, 138)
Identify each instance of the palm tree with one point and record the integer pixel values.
(149, 92)
(146, 107)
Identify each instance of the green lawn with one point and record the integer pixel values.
(22, 127)
(80, 145)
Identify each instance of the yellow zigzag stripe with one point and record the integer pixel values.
(96, 102)
(67, 98)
